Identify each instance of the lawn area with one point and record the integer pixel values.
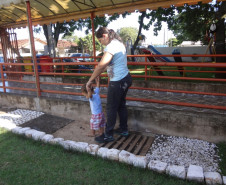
(222, 154)
(190, 72)
(172, 71)
(24, 161)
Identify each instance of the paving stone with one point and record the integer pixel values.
(92, 149)
(65, 144)
(224, 180)
(113, 154)
(16, 130)
(176, 171)
(102, 152)
(23, 130)
(126, 157)
(79, 146)
(56, 140)
(37, 135)
(139, 161)
(212, 178)
(47, 138)
(28, 133)
(195, 173)
(157, 166)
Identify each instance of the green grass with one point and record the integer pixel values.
(191, 72)
(24, 161)
(195, 72)
(222, 154)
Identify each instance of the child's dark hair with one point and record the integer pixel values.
(111, 33)
(84, 90)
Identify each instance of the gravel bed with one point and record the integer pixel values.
(184, 151)
(20, 116)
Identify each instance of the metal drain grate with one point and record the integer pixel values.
(136, 144)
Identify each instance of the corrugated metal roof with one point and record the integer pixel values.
(13, 12)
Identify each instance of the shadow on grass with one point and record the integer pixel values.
(26, 162)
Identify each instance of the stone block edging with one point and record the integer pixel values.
(194, 173)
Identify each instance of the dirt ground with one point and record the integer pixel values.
(58, 126)
(75, 131)
(61, 127)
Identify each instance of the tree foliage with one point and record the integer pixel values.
(172, 42)
(87, 43)
(128, 33)
(67, 28)
(188, 22)
(192, 22)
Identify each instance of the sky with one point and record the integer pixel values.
(129, 21)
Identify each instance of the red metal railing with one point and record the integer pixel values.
(61, 68)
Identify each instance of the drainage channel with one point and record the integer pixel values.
(136, 144)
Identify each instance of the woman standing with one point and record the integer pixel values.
(115, 60)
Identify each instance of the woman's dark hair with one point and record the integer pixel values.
(111, 34)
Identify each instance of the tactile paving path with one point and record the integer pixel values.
(134, 143)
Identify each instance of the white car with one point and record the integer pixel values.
(80, 59)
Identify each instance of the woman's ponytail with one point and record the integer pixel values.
(111, 34)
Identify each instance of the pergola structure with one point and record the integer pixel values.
(22, 13)
(13, 13)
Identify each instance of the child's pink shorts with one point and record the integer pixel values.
(97, 121)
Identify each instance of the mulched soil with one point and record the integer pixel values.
(47, 123)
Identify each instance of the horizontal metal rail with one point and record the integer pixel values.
(58, 69)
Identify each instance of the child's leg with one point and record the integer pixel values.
(101, 130)
(92, 133)
(102, 124)
(93, 126)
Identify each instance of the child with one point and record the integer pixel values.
(97, 121)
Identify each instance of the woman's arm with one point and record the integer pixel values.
(105, 60)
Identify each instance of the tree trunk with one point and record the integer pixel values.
(140, 28)
(56, 32)
(45, 29)
(52, 40)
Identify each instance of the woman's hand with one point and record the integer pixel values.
(88, 86)
(89, 89)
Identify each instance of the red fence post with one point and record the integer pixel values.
(33, 48)
(3, 80)
(145, 69)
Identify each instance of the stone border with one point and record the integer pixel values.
(194, 173)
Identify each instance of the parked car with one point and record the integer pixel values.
(79, 60)
(2, 61)
(67, 60)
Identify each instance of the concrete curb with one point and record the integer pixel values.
(194, 173)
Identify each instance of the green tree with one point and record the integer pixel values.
(128, 33)
(67, 28)
(173, 42)
(190, 22)
(72, 38)
(141, 25)
(87, 43)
